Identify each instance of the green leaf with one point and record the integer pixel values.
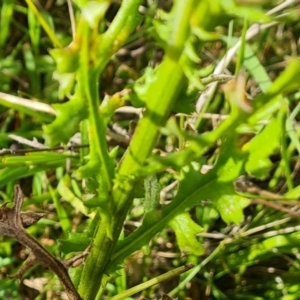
(67, 63)
(217, 186)
(256, 69)
(66, 124)
(7, 8)
(35, 159)
(141, 86)
(294, 193)
(64, 189)
(34, 31)
(161, 31)
(10, 174)
(94, 11)
(90, 168)
(67, 59)
(175, 160)
(66, 83)
(61, 212)
(79, 241)
(111, 103)
(288, 80)
(229, 204)
(186, 229)
(75, 242)
(206, 215)
(290, 127)
(247, 12)
(262, 146)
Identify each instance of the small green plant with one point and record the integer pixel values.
(173, 165)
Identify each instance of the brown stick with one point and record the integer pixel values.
(12, 225)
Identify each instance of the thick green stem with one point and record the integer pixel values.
(99, 258)
(103, 48)
(160, 98)
(117, 34)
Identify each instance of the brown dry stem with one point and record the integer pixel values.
(12, 223)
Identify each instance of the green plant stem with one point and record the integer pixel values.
(161, 94)
(97, 129)
(99, 258)
(124, 23)
(196, 270)
(200, 145)
(153, 281)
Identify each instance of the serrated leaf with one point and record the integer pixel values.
(141, 86)
(193, 188)
(89, 169)
(219, 190)
(69, 115)
(161, 31)
(66, 83)
(111, 103)
(75, 242)
(229, 204)
(186, 229)
(67, 59)
(261, 147)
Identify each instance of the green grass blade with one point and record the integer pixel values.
(61, 212)
(7, 8)
(44, 24)
(34, 31)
